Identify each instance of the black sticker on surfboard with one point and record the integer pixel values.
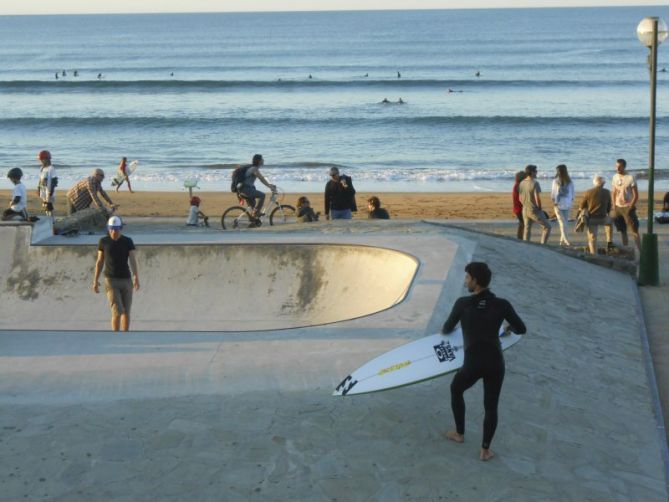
(346, 385)
(444, 352)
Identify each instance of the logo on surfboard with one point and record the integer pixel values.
(445, 352)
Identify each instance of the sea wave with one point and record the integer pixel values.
(343, 121)
(171, 85)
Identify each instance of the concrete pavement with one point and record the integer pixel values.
(249, 416)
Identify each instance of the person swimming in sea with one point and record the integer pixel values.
(400, 101)
(385, 101)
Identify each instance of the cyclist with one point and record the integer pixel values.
(249, 192)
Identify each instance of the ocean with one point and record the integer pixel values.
(192, 95)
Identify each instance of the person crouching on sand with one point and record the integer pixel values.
(305, 213)
(115, 252)
(194, 213)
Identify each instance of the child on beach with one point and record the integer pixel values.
(47, 182)
(305, 212)
(194, 214)
(17, 207)
(122, 175)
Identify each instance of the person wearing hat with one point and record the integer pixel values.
(47, 181)
(339, 196)
(117, 253)
(85, 192)
(194, 213)
(17, 206)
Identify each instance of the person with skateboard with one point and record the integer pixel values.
(481, 316)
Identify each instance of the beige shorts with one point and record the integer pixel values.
(119, 294)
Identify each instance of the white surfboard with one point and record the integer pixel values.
(422, 359)
(118, 177)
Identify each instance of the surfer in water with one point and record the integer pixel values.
(481, 316)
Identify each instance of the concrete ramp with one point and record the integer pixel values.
(202, 287)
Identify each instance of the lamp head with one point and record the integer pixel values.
(645, 31)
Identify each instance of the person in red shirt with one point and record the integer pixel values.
(517, 206)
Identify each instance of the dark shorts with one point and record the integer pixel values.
(119, 295)
(623, 213)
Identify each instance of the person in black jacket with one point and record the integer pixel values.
(339, 196)
(480, 316)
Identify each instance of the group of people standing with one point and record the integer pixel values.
(598, 207)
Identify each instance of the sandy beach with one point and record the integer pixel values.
(400, 205)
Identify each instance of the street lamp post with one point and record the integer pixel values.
(651, 32)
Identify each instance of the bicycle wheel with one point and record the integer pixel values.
(282, 215)
(236, 218)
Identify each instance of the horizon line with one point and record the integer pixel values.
(324, 11)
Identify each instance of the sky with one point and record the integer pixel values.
(10, 7)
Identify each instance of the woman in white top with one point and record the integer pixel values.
(47, 182)
(562, 194)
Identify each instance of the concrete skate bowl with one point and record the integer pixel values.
(227, 287)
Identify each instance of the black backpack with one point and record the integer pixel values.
(238, 176)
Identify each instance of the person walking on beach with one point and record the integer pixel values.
(85, 192)
(248, 190)
(597, 201)
(625, 196)
(529, 190)
(339, 196)
(517, 206)
(122, 175)
(480, 316)
(562, 195)
(116, 252)
(47, 183)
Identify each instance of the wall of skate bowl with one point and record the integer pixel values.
(208, 287)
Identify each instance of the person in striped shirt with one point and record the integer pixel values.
(85, 193)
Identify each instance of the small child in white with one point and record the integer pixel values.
(17, 207)
(194, 214)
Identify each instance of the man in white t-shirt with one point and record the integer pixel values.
(17, 207)
(624, 196)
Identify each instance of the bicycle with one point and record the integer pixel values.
(240, 217)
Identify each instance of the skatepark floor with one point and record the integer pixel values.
(578, 413)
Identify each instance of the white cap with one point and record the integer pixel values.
(114, 221)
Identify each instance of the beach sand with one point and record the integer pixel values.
(400, 205)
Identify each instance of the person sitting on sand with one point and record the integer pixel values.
(17, 206)
(122, 175)
(305, 212)
(376, 212)
(194, 214)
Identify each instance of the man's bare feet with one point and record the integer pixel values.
(486, 454)
(454, 436)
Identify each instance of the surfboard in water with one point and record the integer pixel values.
(422, 359)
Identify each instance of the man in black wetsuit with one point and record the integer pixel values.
(481, 316)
